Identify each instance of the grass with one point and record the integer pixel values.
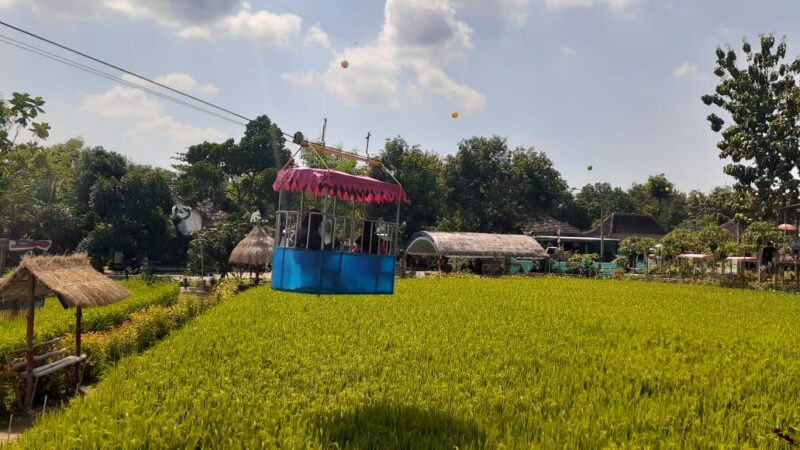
(466, 363)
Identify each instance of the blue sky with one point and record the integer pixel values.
(611, 83)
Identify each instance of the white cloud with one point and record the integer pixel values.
(419, 39)
(317, 35)
(263, 27)
(514, 11)
(122, 103)
(556, 4)
(568, 52)
(194, 32)
(189, 18)
(149, 133)
(185, 82)
(688, 71)
(305, 79)
(177, 12)
(168, 127)
(622, 8)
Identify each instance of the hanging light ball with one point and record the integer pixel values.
(345, 64)
(667, 189)
(589, 168)
(454, 114)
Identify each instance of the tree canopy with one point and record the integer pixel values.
(760, 101)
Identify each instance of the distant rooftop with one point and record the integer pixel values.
(624, 225)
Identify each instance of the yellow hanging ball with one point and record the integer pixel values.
(667, 189)
(454, 115)
(345, 64)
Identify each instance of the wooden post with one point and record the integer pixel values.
(78, 331)
(29, 344)
(3, 249)
(257, 270)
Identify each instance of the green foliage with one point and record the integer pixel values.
(421, 175)
(681, 240)
(720, 205)
(18, 114)
(583, 262)
(760, 234)
(36, 194)
(593, 198)
(636, 246)
(761, 98)
(466, 363)
(496, 189)
(210, 247)
(235, 177)
(130, 213)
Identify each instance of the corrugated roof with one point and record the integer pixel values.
(474, 245)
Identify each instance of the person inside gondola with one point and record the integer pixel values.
(308, 236)
(369, 242)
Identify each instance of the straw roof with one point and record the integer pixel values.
(474, 245)
(254, 250)
(70, 278)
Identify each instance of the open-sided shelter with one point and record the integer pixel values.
(74, 282)
(254, 251)
(474, 245)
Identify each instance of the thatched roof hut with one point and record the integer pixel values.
(255, 250)
(70, 278)
(474, 245)
(76, 284)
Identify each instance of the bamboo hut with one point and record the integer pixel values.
(254, 251)
(75, 283)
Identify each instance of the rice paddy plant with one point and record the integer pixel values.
(52, 320)
(458, 363)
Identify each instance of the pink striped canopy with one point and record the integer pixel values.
(354, 188)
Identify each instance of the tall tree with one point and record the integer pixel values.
(659, 198)
(421, 176)
(612, 199)
(236, 177)
(494, 189)
(761, 100)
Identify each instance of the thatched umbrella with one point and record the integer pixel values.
(76, 285)
(255, 250)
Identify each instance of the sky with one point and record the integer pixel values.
(612, 84)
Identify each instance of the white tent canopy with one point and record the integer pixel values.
(474, 245)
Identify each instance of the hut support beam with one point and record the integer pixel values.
(78, 331)
(29, 363)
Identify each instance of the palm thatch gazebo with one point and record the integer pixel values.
(254, 251)
(75, 283)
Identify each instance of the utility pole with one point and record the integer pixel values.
(602, 232)
(368, 136)
(324, 127)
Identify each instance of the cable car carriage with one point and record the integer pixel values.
(324, 242)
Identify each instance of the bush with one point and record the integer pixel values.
(146, 327)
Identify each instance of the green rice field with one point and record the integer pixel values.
(458, 363)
